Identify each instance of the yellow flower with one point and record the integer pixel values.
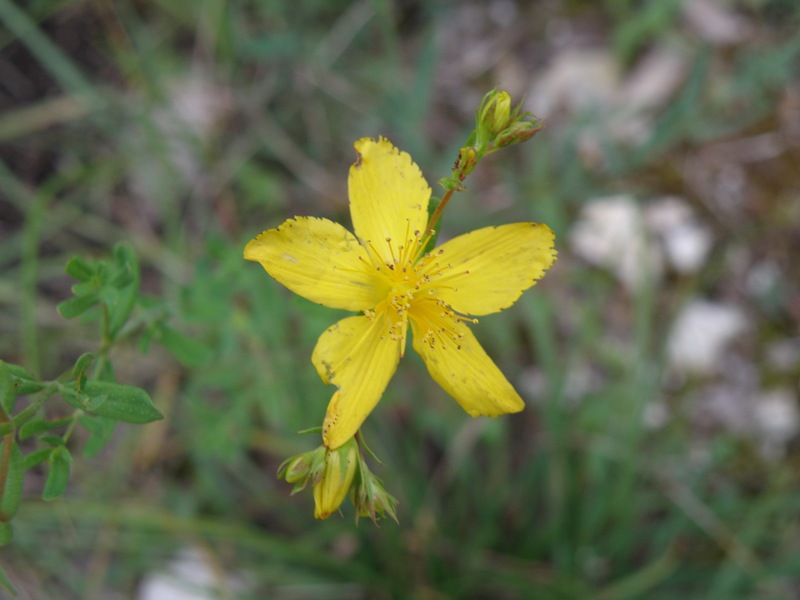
(382, 273)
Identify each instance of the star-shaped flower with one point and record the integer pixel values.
(382, 272)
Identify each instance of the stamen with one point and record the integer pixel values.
(391, 250)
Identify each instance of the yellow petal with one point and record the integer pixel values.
(319, 260)
(388, 199)
(458, 363)
(359, 357)
(487, 270)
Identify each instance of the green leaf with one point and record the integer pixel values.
(54, 440)
(81, 400)
(39, 425)
(25, 386)
(58, 475)
(79, 269)
(36, 457)
(5, 539)
(100, 431)
(12, 492)
(77, 305)
(7, 391)
(122, 402)
(120, 308)
(126, 283)
(187, 350)
(107, 372)
(87, 288)
(19, 372)
(125, 257)
(24, 382)
(146, 338)
(26, 414)
(123, 279)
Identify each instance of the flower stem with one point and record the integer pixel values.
(438, 212)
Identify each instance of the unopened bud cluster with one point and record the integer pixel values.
(336, 474)
(497, 125)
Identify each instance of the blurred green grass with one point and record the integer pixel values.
(188, 127)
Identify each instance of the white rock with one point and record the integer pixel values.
(723, 405)
(700, 334)
(714, 23)
(777, 414)
(763, 278)
(188, 577)
(686, 242)
(654, 80)
(655, 415)
(686, 247)
(777, 420)
(783, 355)
(577, 80)
(169, 158)
(610, 233)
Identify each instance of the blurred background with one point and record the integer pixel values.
(658, 456)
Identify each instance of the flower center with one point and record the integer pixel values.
(410, 283)
(399, 303)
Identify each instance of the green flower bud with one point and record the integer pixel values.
(301, 468)
(519, 131)
(499, 125)
(338, 472)
(297, 469)
(370, 498)
(465, 163)
(494, 114)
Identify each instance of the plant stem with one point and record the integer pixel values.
(5, 460)
(438, 212)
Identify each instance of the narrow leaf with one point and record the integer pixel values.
(100, 431)
(87, 288)
(77, 305)
(5, 539)
(58, 475)
(24, 382)
(73, 398)
(36, 457)
(127, 283)
(55, 441)
(79, 269)
(39, 425)
(26, 414)
(7, 391)
(122, 403)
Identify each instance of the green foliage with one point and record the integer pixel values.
(59, 462)
(113, 401)
(105, 288)
(114, 285)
